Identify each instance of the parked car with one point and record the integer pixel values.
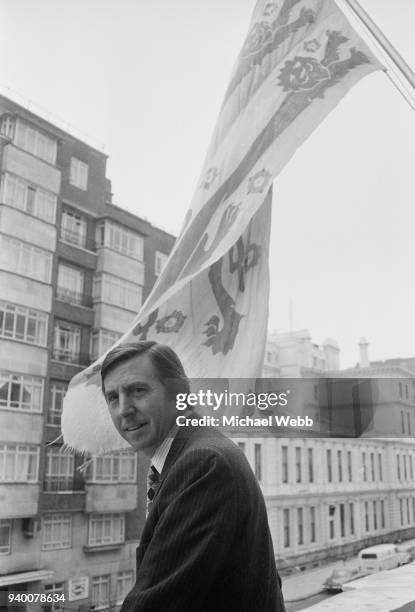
(408, 551)
(334, 583)
(285, 568)
(382, 557)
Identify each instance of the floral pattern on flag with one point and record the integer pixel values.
(299, 59)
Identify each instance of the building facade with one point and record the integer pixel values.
(349, 482)
(74, 270)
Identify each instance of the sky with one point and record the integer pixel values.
(145, 80)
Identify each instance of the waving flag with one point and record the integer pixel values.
(210, 303)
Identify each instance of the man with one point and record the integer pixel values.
(206, 545)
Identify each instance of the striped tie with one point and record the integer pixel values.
(152, 483)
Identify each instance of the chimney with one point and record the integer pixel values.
(364, 353)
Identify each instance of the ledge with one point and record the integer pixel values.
(98, 548)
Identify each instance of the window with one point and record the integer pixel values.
(20, 392)
(342, 521)
(284, 450)
(382, 514)
(105, 529)
(401, 511)
(160, 262)
(35, 142)
(349, 466)
(372, 466)
(407, 511)
(298, 464)
(329, 466)
(408, 418)
(332, 512)
(300, 526)
(375, 516)
(7, 126)
(59, 470)
(405, 473)
(20, 323)
(57, 531)
(286, 527)
(411, 466)
(36, 201)
(258, 461)
(114, 467)
(73, 228)
(70, 284)
(78, 173)
(400, 390)
(19, 463)
(312, 523)
(364, 467)
(340, 465)
(380, 466)
(57, 588)
(120, 239)
(100, 591)
(102, 341)
(406, 394)
(57, 393)
(398, 466)
(402, 421)
(5, 536)
(25, 259)
(351, 517)
(117, 291)
(367, 527)
(310, 465)
(67, 342)
(125, 583)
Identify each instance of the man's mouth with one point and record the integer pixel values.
(134, 427)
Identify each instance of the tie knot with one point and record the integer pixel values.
(153, 476)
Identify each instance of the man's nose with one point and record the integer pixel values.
(125, 404)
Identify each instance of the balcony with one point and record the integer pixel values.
(58, 483)
(111, 497)
(31, 168)
(69, 295)
(73, 237)
(69, 355)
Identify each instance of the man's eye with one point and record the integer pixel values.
(138, 390)
(111, 398)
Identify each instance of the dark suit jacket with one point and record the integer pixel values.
(206, 545)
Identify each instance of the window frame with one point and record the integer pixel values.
(62, 478)
(34, 383)
(100, 521)
(78, 173)
(6, 548)
(26, 259)
(59, 520)
(19, 458)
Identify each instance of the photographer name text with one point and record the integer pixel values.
(238, 421)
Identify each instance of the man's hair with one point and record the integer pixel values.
(166, 363)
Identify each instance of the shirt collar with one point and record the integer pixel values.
(160, 455)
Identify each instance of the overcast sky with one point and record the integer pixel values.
(146, 79)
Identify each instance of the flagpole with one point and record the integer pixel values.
(386, 45)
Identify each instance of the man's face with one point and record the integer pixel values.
(138, 404)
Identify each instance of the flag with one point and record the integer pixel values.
(210, 303)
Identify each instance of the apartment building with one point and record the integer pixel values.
(349, 481)
(74, 270)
